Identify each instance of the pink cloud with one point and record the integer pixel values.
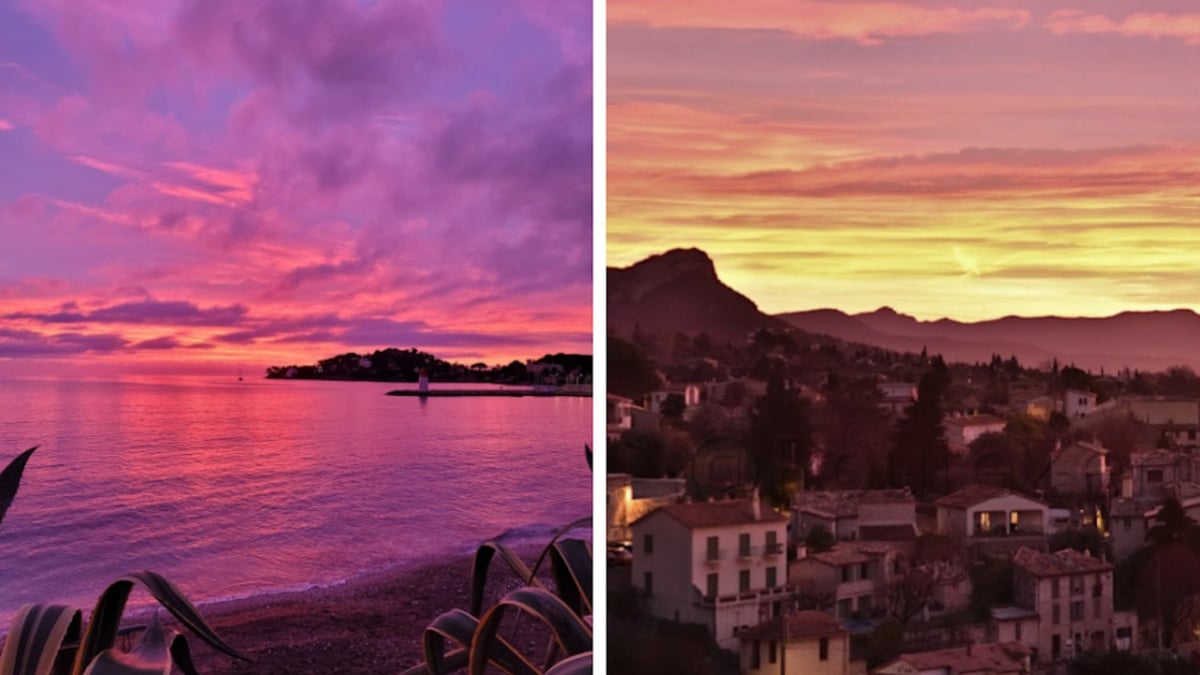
(1185, 27)
(864, 22)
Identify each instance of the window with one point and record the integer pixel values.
(1154, 475)
(744, 545)
(712, 585)
(755, 655)
(1054, 586)
(1098, 587)
(1077, 585)
(772, 648)
(1077, 610)
(772, 542)
(713, 551)
(771, 579)
(1095, 608)
(648, 583)
(824, 649)
(1055, 647)
(843, 608)
(864, 605)
(648, 544)
(743, 581)
(1055, 615)
(862, 572)
(845, 574)
(1128, 524)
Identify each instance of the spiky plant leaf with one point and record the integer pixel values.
(479, 571)
(10, 480)
(580, 664)
(102, 629)
(150, 656)
(181, 655)
(458, 628)
(35, 638)
(571, 569)
(571, 634)
(578, 522)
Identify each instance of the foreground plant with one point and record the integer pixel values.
(471, 638)
(46, 639)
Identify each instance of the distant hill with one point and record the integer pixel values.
(1140, 340)
(679, 291)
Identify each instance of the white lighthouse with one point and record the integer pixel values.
(422, 381)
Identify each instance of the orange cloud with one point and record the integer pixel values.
(866, 22)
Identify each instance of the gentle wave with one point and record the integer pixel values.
(233, 491)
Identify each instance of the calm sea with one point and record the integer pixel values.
(233, 489)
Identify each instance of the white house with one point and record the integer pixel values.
(1078, 403)
(798, 643)
(854, 514)
(993, 519)
(856, 574)
(963, 430)
(721, 564)
(1072, 593)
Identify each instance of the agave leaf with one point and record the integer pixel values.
(150, 656)
(579, 522)
(570, 633)
(458, 627)
(479, 571)
(102, 629)
(571, 567)
(36, 636)
(580, 664)
(10, 480)
(181, 655)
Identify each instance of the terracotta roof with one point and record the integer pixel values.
(801, 625)
(1003, 657)
(839, 556)
(853, 553)
(978, 493)
(1090, 447)
(717, 514)
(1066, 561)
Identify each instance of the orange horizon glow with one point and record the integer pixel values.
(1010, 159)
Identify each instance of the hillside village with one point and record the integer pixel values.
(794, 503)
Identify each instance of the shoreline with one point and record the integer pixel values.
(370, 623)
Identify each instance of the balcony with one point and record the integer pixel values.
(772, 550)
(714, 558)
(749, 552)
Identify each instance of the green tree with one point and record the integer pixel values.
(630, 372)
(780, 440)
(919, 447)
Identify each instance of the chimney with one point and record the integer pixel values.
(756, 504)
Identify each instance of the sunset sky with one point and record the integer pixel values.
(199, 185)
(970, 159)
